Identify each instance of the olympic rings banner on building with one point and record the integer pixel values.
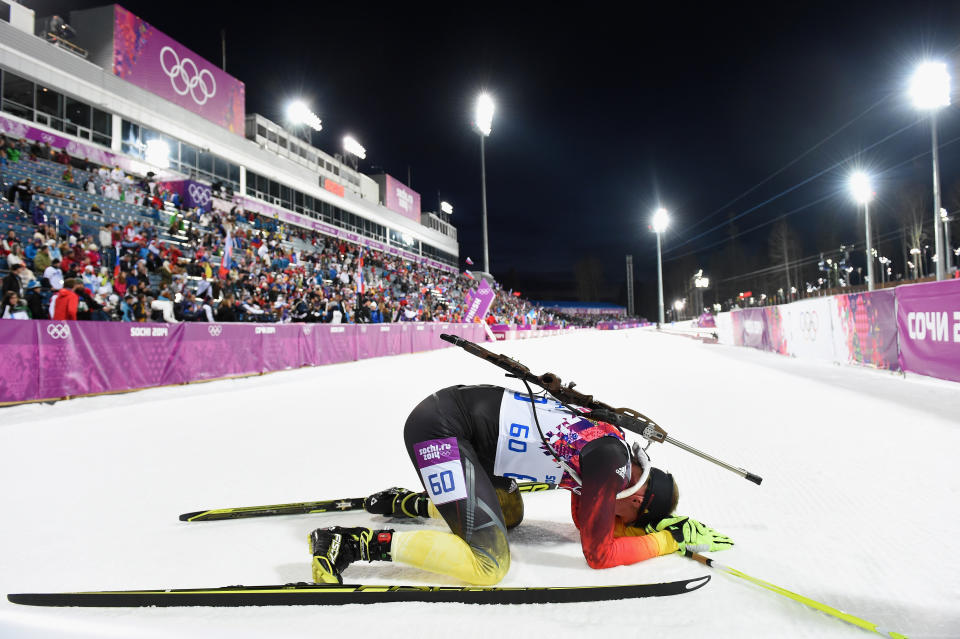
(928, 320)
(148, 58)
(49, 359)
(192, 193)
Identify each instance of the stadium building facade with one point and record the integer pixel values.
(119, 89)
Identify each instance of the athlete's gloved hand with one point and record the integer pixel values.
(691, 535)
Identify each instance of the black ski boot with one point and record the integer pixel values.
(336, 548)
(397, 502)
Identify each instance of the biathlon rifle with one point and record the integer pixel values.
(624, 418)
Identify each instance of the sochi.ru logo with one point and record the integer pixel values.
(58, 331)
(215, 330)
(186, 78)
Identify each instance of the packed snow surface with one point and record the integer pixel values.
(858, 508)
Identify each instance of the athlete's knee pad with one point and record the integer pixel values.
(511, 503)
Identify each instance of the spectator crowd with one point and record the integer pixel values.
(182, 264)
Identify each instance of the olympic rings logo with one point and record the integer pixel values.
(186, 78)
(200, 194)
(307, 330)
(58, 331)
(215, 330)
(809, 324)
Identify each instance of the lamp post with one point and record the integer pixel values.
(947, 252)
(660, 220)
(930, 90)
(483, 122)
(863, 193)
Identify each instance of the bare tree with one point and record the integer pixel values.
(910, 210)
(784, 248)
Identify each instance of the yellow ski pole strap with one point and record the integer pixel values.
(833, 612)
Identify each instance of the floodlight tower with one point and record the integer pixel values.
(483, 123)
(930, 90)
(863, 192)
(660, 221)
(355, 150)
(299, 114)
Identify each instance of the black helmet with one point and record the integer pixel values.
(658, 498)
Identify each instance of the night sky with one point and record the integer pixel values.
(603, 113)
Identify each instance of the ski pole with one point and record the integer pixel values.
(833, 612)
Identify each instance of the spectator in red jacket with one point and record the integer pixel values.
(66, 301)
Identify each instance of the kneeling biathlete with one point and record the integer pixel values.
(470, 444)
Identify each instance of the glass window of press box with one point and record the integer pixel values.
(263, 188)
(438, 255)
(189, 160)
(271, 191)
(34, 102)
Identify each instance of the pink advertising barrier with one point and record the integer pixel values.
(47, 360)
(928, 328)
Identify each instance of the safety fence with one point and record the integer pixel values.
(50, 360)
(506, 332)
(616, 326)
(913, 328)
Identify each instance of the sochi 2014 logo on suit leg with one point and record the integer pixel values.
(186, 78)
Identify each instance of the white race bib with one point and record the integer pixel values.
(520, 451)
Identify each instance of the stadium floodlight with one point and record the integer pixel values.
(350, 145)
(299, 113)
(660, 220)
(930, 86)
(157, 153)
(484, 121)
(930, 91)
(484, 114)
(860, 187)
(862, 192)
(446, 207)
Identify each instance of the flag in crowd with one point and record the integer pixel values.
(468, 275)
(469, 262)
(116, 264)
(360, 274)
(227, 256)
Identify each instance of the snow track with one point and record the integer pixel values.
(857, 509)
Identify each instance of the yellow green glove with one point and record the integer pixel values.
(691, 535)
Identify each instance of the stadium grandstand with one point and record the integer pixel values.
(137, 188)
